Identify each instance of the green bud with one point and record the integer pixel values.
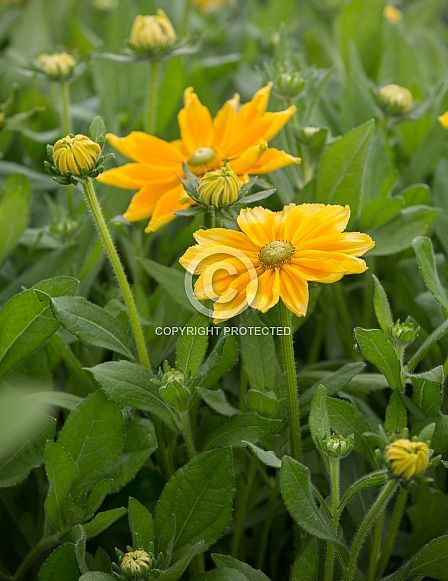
(395, 100)
(336, 446)
(404, 333)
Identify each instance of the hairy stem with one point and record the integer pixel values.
(112, 254)
(334, 481)
(292, 393)
(397, 514)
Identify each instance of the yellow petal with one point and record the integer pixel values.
(147, 149)
(273, 159)
(165, 208)
(293, 290)
(318, 270)
(278, 121)
(258, 224)
(255, 108)
(130, 176)
(224, 122)
(144, 201)
(224, 237)
(224, 309)
(268, 290)
(195, 122)
(244, 163)
(304, 226)
(216, 279)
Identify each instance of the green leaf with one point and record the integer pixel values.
(96, 497)
(432, 560)
(382, 308)
(129, 384)
(439, 441)
(170, 279)
(102, 521)
(231, 431)
(396, 414)
(91, 324)
(345, 420)
(319, 421)
(61, 564)
(220, 575)
(424, 253)
(26, 321)
(297, 494)
(61, 471)
(190, 495)
(174, 572)
(305, 565)
(428, 515)
(190, 349)
(266, 456)
(140, 443)
(371, 480)
(141, 524)
(26, 452)
(379, 211)
(78, 535)
(176, 395)
(14, 213)
(399, 232)
(95, 576)
(377, 349)
(97, 131)
(428, 390)
(216, 399)
(263, 403)
(93, 435)
(258, 353)
(221, 359)
(340, 175)
(228, 562)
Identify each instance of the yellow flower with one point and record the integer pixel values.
(219, 188)
(407, 459)
(274, 257)
(392, 14)
(396, 99)
(75, 154)
(210, 5)
(237, 135)
(443, 120)
(136, 562)
(57, 66)
(151, 33)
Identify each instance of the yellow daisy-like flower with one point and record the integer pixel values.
(274, 257)
(238, 135)
(407, 459)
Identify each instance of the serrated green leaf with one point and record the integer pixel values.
(92, 324)
(216, 399)
(93, 435)
(61, 471)
(396, 414)
(61, 564)
(432, 560)
(266, 456)
(428, 390)
(200, 514)
(377, 349)
(319, 421)
(228, 562)
(305, 565)
(191, 348)
(130, 384)
(97, 131)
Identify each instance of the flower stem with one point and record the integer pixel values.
(240, 508)
(151, 102)
(292, 393)
(112, 253)
(376, 546)
(334, 480)
(400, 503)
(66, 130)
(368, 521)
(188, 435)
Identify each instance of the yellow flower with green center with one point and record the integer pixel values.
(280, 251)
(407, 459)
(238, 135)
(73, 154)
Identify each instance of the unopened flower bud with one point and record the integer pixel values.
(407, 459)
(57, 66)
(152, 33)
(289, 84)
(404, 333)
(75, 155)
(219, 188)
(336, 446)
(395, 100)
(2, 120)
(210, 5)
(173, 375)
(392, 14)
(136, 564)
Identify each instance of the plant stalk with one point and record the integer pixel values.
(112, 254)
(397, 514)
(292, 393)
(334, 480)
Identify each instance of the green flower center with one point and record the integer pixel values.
(276, 253)
(203, 160)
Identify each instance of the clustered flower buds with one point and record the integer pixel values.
(404, 333)
(75, 155)
(395, 100)
(56, 66)
(152, 33)
(407, 459)
(219, 188)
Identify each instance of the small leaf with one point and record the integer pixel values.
(266, 456)
(221, 359)
(97, 131)
(230, 431)
(382, 307)
(91, 324)
(191, 347)
(14, 213)
(427, 264)
(216, 399)
(228, 562)
(102, 521)
(377, 349)
(141, 524)
(258, 353)
(396, 414)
